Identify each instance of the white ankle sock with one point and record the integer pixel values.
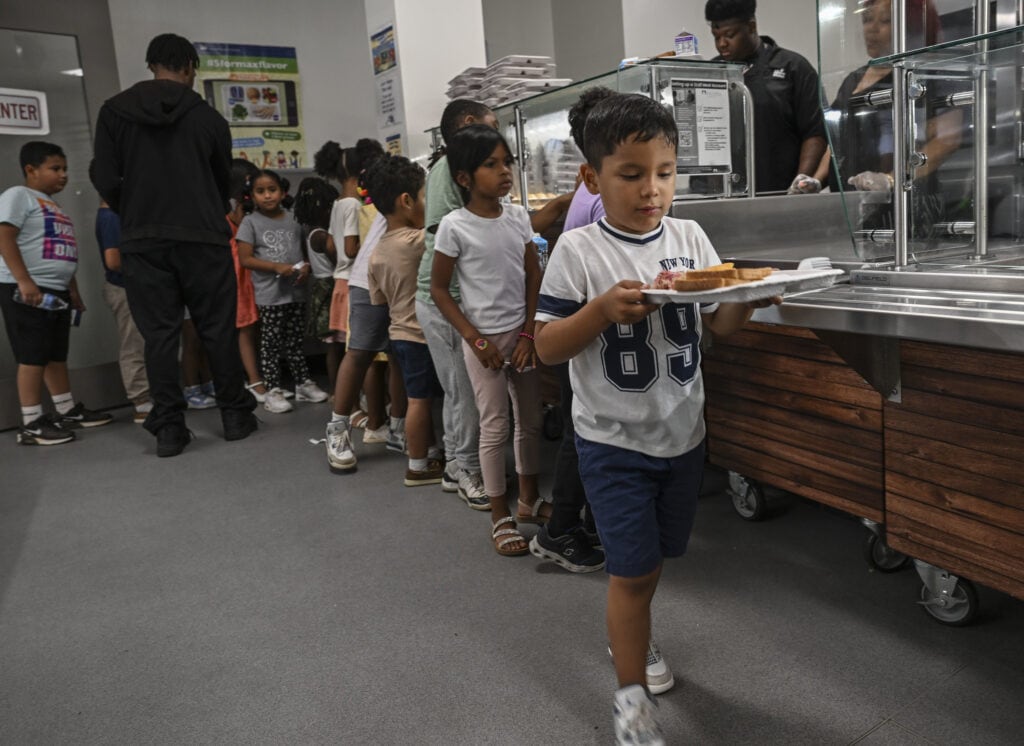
(397, 424)
(335, 417)
(418, 464)
(63, 402)
(29, 414)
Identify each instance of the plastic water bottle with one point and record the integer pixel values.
(542, 249)
(686, 44)
(50, 302)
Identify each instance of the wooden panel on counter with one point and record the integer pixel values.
(784, 409)
(953, 447)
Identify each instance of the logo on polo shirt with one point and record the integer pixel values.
(779, 73)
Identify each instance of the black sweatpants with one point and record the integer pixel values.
(160, 283)
(568, 498)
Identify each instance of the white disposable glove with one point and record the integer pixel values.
(871, 181)
(804, 184)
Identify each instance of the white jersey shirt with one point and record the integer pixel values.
(638, 386)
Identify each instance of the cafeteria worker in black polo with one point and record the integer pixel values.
(789, 130)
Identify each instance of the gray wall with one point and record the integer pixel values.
(588, 36)
(518, 28)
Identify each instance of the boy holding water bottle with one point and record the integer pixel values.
(38, 258)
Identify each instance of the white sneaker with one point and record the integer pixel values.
(372, 437)
(340, 456)
(275, 402)
(635, 721)
(659, 675)
(471, 490)
(309, 391)
(395, 440)
(450, 478)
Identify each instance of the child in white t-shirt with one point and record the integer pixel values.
(635, 372)
(488, 245)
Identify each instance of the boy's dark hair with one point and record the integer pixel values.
(458, 110)
(717, 11)
(624, 116)
(313, 202)
(470, 147)
(174, 52)
(581, 110)
(390, 177)
(36, 152)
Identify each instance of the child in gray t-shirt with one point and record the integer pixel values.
(270, 244)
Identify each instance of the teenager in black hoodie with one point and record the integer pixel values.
(163, 163)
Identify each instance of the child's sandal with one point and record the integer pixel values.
(535, 513)
(503, 537)
(358, 419)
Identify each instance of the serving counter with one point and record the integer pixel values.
(896, 395)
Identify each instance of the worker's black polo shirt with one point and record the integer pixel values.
(787, 111)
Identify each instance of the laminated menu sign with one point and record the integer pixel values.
(701, 109)
(387, 84)
(257, 89)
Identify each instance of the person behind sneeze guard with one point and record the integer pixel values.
(864, 138)
(789, 131)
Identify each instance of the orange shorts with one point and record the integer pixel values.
(339, 307)
(246, 313)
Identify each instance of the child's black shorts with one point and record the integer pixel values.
(37, 337)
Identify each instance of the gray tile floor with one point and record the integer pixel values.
(241, 593)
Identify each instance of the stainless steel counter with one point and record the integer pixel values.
(971, 319)
(951, 300)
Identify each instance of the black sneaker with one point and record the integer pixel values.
(592, 537)
(238, 424)
(171, 439)
(571, 551)
(79, 416)
(43, 431)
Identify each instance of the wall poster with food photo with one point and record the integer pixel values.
(257, 89)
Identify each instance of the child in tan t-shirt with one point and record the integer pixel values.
(395, 185)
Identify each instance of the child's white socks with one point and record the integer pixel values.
(63, 402)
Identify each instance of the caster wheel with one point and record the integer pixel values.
(957, 610)
(880, 556)
(747, 497)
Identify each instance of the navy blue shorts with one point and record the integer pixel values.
(643, 505)
(417, 369)
(37, 336)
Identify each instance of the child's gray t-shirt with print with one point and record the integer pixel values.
(274, 240)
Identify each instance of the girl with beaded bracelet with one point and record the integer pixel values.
(488, 246)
